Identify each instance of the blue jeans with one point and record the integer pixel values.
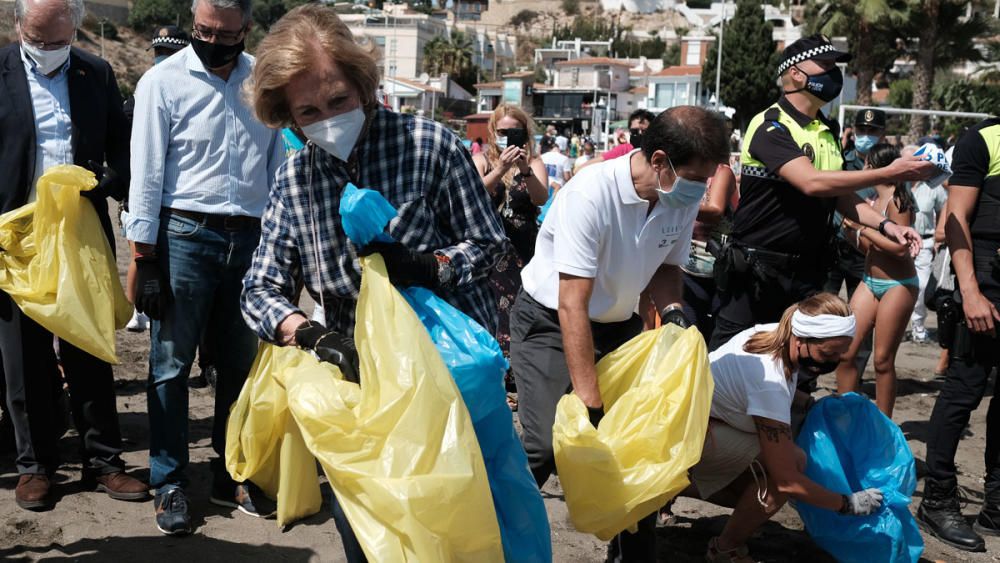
(206, 268)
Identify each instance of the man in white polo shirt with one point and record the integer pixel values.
(614, 230)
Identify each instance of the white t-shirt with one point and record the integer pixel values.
(598, 227)
(562, 143)
(748, 385)
(556, 164)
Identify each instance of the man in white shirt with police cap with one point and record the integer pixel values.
(614, 230)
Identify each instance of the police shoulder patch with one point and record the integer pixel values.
(810, 152)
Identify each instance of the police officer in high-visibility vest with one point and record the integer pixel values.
(973, 231)
(791, 182)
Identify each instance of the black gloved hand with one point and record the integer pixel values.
(675, 316)
(109, 183)
(331, 347)
(595, 414)
(405, 266)
(153, 293)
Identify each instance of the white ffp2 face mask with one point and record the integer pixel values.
(339, 134)
(46, 61)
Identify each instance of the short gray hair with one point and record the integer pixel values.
(74, 7)
(244, 6)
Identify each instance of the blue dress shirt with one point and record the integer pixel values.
(196, 146)
(53, 127)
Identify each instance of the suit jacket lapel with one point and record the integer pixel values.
(77, 99)
(15, 81)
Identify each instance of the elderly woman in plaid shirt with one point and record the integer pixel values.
(311, 75)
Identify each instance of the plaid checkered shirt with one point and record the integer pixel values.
(425, 172)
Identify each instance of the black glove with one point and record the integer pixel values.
(153, 293)
(109, 183)
(675, 316)
(405, 266)
(595, 414)
(331, 347)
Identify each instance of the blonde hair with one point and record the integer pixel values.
(775, 342)
(522, 117)
(291, 47)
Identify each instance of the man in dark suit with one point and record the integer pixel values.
(58, 105)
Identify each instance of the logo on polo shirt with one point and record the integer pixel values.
(670, 234)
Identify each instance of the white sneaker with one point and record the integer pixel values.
(138, 322)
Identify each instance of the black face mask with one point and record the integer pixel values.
(825, 86)
(635, 137)
(814, 366)
(215, 55)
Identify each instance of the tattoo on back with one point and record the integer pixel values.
(773, 432)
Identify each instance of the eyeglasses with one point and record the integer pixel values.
(47, 46)
(207, 33)
(507, 132)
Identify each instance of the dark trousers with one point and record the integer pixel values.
(352, 548)
(969, 365)
(701, 302)
(848, 270)
(741, 306)
(33, 387)
(539, 365)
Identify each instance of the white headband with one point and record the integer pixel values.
(822, 326)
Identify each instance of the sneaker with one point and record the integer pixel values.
(258, 505)
(138, 323)
(172, 512)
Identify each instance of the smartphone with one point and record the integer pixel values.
(517, 137)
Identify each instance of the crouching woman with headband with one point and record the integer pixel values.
(749, 461)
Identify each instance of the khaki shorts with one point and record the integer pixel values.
(727, 455)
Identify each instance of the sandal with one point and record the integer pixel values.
(739, 554)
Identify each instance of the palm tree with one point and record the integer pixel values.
(434, 55)
(871, 30)
(944, 35)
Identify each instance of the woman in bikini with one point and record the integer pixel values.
(885, 300)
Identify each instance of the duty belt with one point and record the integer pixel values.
(769, 257)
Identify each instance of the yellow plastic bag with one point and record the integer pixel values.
(57, 265)
(657, 391)
(264, 444)
(399, 450)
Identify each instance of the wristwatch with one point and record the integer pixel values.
(444, 272)
(881, 226)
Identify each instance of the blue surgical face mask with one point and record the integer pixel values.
(684, 193)
(501, 142)
(159, 59)
(864, 143)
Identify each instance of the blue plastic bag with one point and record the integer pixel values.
(477, 365)
(851, 446)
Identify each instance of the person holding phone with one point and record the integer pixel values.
(516, 190)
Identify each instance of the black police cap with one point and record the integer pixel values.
(815, 47)
(169, 37)
(870, 118)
